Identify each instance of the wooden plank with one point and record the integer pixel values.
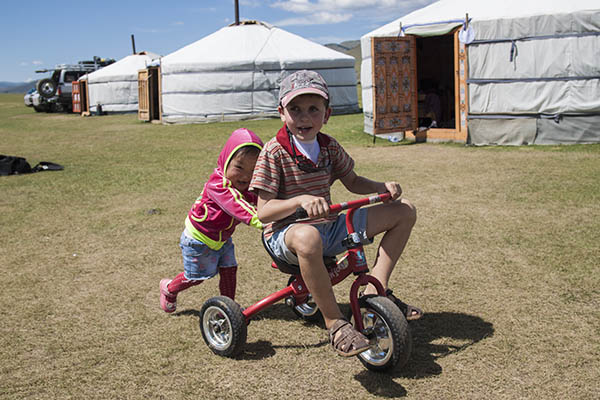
(435, 134)
(461, 97)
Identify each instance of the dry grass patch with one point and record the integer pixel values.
(503, 259)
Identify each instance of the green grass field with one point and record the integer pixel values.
(504, 259)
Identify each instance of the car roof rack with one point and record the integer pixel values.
(87, 65)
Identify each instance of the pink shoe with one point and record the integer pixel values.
(168, 301)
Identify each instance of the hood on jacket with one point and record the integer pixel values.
(239, 138)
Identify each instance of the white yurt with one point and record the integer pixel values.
(516, 72)
(234, 74)
(115, 87)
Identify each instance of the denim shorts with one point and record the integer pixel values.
(332, 234)
(200, 262)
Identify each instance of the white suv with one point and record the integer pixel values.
(54, 93)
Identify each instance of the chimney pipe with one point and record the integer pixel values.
(133, 43)
(237, 12)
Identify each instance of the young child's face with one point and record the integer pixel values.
(239, 170)
(305, 115)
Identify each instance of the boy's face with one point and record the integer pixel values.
(239, 170)
(305, 115)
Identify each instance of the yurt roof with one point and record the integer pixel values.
(451, 13)
(250, 45)
(122, 69)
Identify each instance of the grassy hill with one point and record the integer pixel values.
(352, 48)
(18, 87)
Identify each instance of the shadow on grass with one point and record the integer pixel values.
(264, 349)
(436, 335)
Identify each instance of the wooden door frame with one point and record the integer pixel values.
(461, 100)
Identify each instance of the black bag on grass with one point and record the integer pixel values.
(13, 165)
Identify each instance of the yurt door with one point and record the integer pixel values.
(81, 95)
(395, 100)
(143, 96)
(75, 96)
(149, 94)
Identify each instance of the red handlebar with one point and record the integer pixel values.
(336, 208)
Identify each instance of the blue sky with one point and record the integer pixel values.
(38, 34)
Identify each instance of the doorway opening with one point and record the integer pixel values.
(436, 82)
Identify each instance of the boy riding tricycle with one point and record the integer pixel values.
(224, 323)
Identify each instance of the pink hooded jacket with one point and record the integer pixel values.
(221, 207)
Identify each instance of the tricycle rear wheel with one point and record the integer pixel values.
(223, 326)
(307, 310)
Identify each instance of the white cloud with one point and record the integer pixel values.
(313, 12)
(310, 6)
(316, 19)
(329, 39)
(250, 3)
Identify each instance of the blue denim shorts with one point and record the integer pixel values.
(332, 234)
(200, 262)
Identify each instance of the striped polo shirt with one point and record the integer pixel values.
(277, 171)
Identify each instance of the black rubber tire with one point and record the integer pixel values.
(389, 334)
(223, 326)
(308, 311)
(46, 87)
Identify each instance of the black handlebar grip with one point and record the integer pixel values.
(300, 213)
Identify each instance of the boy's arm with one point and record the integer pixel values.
(271, 209)
(362, 185)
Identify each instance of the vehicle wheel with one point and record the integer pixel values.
(38, 109)
(223, 326)
(46, 88)
(308, 311)
(387, 329)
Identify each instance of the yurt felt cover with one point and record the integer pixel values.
(115, 87)
(235, 72)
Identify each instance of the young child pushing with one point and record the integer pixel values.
(297, 169)
(225, 201)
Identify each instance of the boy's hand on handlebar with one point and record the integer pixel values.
(316, 207)
(394, 189)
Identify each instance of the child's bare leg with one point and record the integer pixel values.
(396, 220)
(305, 241)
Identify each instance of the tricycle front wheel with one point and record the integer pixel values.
(388, 332)
(223, 326)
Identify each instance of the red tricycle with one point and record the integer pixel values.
(224, 323)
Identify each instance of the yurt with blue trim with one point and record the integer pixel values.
(486, 72)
